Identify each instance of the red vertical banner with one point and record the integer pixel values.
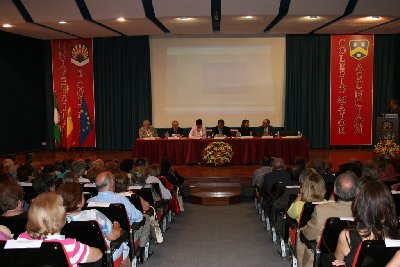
(74, 117)
(351, 108)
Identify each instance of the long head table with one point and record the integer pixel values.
(247, 151)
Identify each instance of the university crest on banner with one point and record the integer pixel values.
(359, 49)
(73, 93)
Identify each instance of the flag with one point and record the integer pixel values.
(85, 124)
(57, 132)
(70, 128)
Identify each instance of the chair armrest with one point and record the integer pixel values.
(137, 225)
(115, 244)
(311, 244)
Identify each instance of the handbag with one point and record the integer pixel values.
(180, 200)
(155, 228)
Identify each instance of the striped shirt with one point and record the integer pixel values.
(76, 251)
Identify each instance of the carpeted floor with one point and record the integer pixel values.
(216, 236)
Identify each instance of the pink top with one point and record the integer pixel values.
(76, 251)
(194, 132)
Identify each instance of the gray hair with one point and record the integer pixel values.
(346, 186)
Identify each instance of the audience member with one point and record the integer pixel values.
(112, 167)
(345, 188)
(98, 163)
(175, 130)
(74, 201)
(11, 200)
(79, 167)
(297, 177)
(44, 183)
(154, 172)
(245, 129)
(58, 169)
(66, 163)
(170, 173)
(318, 165)
(386, 169)
(350, 167)
(259, 174)
(70, 178)
(198, 130)
(300, 162)
(25, 173)
(278, 174)
(147, 130)
(312, 190)
(105, 183)
(5, 233)
(126, 165)
(375, 219)
(46, 218)
(370, 169)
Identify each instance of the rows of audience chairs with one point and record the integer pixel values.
(89, 232)
(285, 232)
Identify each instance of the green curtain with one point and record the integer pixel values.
(122, 82)
(386, 72)
(307, 87)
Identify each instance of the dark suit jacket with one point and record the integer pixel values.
(244, 131)
(260, 131)
(225, 131)
(178, 131)
(273, 177)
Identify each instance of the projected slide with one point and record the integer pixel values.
(229, 78)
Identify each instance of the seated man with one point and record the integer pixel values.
(105, 183)
(265, 129)
(175, 130)
(346, 186)
(278, 174)
(147, 130)
(221, 130)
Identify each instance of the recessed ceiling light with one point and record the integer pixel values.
(62, 22)
(184, 18)
(374, 17)
(314, 17)
(121, 19)
(248, 17)
(6, 25)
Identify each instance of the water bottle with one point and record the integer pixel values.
(278, 134)
(166, 135)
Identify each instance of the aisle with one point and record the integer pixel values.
(216, 236)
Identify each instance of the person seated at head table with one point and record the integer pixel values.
(221, 130)
(46, 218)
(198, 130)
(265, 129)
(147, 130)
(393, 107)
(175, 130)
(244, 129)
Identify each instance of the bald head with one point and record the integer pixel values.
(346, 186)
(105, 181)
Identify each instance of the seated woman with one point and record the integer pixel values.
(198, 130)
(74, 201)
(44, 182)
(46, 218)
(11, 200)
(312, 190)
(154, 172)
(244, 129)
(375, 219)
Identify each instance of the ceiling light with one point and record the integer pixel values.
(184, 18)
(7, 25)
(121, 19)
(62, 22)
(313, 17)
(374, 17)
(248, 17)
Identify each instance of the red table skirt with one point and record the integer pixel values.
(247, 151)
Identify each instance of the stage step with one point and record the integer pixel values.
(215, 194)
(215, 198)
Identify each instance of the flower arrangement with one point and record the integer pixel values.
(387, 149)
(218, 153)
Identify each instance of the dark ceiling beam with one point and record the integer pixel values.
(349, 10)
(283, 10)
(216, 15)
(87, 16)
(149, 11)
(376, 26)
(28, 19)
